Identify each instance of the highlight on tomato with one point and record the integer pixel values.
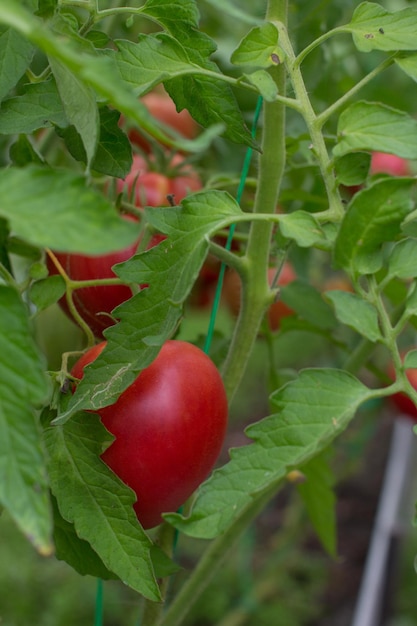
(169, 427)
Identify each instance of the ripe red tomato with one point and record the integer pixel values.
(162, 108)
(400, 400)
(382, 162)
(169, 427)
(276, 311)
(152, 188)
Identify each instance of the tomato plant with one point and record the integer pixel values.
(298, 109)
(169, 427)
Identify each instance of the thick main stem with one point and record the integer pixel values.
(256, 294)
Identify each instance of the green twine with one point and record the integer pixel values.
(242, 182)
(98, 621)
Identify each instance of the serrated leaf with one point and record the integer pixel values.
(77, 552)
(57, 209)
(160, 57)
(302, 227)
(403, 259)
(114, 151)
(80, 106)
(352, 168)
(38, 106)
(97, 503)
(259, 48)
(307, 302)
(355, 312)
(373, 217)
(374, 126)
(264, 83)
(15, 56)
(152, 316)
(317, 492)
(375, 28)
(23, 386)
(311, 412)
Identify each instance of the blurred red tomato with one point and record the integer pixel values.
(163, 108)
(277, 310)
(400, 400)
(383, 163)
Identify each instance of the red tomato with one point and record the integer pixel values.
(95, 304)
(169, 427)
(382, 162)
(276, 311)
(400, 400)
(152, 188)
(162, 108)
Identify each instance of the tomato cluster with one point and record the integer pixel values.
(146, 187)
(169, 427)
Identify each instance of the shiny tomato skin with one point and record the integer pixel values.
(163, 108)
(169, 427)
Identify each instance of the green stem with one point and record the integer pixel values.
(317, 42)
(256, 293)
(327, 113)
(336, 209)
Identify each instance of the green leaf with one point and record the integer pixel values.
(97, 503)
(23, 386)
(77, 552)
(302, 227)
(94, 70)
(355, 312)
(45, 292)
(373, 217)
(160, 57)
(152, 316)
(411, 303)
(23, 153)
(114, 151)
(375, 28)
(403, 259)
(408, 64)
(373, 126)
(38, 106)
(259, 48)
(56, 209)
(264, 83)
(319, 499)
(410, 360)
(80, 106)
(307, 302)
(311, 412)
(352, 168)
(15, 56)
(171, 13)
